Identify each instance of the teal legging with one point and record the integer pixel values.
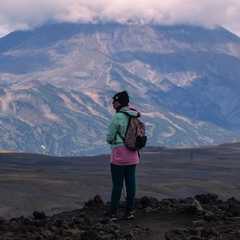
(119, 174)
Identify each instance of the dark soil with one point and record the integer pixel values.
(155, 223)
(203, 217)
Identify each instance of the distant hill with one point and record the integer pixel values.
(56, 84)
(31, 181)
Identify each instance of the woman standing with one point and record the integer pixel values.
(123, 160)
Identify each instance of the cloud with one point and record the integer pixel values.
(27, 14)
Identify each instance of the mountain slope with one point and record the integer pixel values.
(184, 79)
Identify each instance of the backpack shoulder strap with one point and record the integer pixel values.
(129, 119)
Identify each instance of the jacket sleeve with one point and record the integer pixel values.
(112, 130)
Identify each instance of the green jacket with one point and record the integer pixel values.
(119, 125)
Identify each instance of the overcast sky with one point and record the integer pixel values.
(27, 14)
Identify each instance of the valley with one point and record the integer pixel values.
(32, 182)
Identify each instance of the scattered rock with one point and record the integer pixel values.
(207, 218)
(39, 215)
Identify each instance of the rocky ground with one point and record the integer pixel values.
(204, 217)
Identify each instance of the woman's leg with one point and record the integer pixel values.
(117, 184)
(130, 178)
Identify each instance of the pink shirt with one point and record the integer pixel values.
(123, 156)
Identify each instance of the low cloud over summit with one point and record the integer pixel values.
(27, 14)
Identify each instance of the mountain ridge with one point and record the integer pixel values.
(182, 78)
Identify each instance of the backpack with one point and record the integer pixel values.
(135, 138)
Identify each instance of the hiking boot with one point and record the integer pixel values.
(113, 217)
(129, 215)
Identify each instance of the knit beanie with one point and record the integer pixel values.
(121, 97)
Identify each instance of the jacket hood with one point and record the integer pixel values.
(131, 111)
